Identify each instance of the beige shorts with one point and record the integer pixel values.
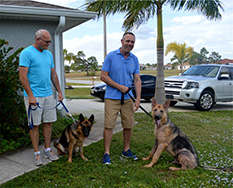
(113, 107)
(45, 115)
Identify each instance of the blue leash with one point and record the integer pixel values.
(30, 109)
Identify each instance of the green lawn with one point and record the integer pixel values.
(211, 136)
(84, 93)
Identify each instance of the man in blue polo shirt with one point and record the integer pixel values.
(119, 69)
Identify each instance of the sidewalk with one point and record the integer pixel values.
(17, 163)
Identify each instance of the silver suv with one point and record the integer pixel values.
(201, 85)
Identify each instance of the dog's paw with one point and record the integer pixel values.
(174, 168)
(147, 166)
(145, 158)
(69, 161)
(85, 159)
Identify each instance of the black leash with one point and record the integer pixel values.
(122, 102)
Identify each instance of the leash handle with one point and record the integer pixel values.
(64, 106)
(123, 95)
(30, 119)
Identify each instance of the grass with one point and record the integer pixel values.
(78, 93)
(211, 136)
(83, 75)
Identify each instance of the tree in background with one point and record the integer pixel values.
(81, 63)
(214, 57)
(140, 11)
(202, 58)
(182, 53)
(68, 56)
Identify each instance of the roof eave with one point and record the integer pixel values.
(46, 13)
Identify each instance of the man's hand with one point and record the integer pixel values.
(136, 105)
(32, 100)
(124, 89)
(60, 96)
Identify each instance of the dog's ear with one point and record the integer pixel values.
(153, 102)
(81, 118)
(166, 104)
(91, 118)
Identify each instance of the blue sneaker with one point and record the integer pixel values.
(129, 154)
(106, 159)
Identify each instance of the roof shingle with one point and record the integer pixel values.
(29, 3)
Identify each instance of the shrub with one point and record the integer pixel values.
(13, 120)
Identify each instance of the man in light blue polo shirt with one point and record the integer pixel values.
(119, 69)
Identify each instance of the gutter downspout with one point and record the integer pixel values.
(59, 64)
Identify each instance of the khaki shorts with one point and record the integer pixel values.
(113, 107)
(46, 115)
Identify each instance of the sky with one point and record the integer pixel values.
(178, 26)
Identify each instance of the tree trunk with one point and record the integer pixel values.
(160, 91)
(105, 35)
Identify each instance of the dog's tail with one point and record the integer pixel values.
(217, 169)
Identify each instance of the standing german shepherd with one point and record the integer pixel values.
(171, 139)
(73, 136)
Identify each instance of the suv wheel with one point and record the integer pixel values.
(206, 101)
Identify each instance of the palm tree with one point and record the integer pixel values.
(182, 53)
(68, 56)
(140, 11)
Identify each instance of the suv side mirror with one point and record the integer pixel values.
(224, 77)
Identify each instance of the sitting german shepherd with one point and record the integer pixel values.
(73, 136)
(171, 139)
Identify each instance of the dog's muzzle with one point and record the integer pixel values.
(86, 130)
(157, 119)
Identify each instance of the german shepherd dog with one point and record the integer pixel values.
(73, 136)
(171, 139)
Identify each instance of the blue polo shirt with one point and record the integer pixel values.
(120, 70)
(39, 72)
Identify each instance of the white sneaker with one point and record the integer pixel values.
(50, 155)
(38, 160)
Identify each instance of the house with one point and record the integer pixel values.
(186, 65)
(20, 19)
(226, 61)
(168, 66)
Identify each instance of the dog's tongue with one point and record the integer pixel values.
(157, 122)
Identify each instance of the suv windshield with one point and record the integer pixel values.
(205, 71)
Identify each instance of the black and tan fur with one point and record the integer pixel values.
(171, 139)
(73, 136)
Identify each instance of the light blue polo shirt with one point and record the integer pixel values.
(39, 72)
(120, 70)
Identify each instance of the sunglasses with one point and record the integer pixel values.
(48, 42)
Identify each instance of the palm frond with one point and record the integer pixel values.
(209, 8)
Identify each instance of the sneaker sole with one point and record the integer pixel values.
(50, 158)
(39, 164)
(135, 159)
(107, 163)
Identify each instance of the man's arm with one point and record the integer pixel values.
(105, 78)
(24, 80)
(137, 82)
(55, 81)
